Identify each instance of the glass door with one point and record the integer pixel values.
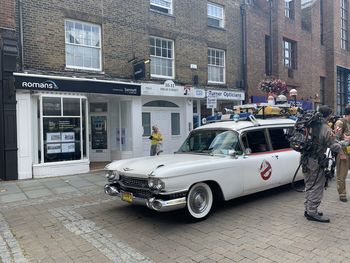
(99, 133)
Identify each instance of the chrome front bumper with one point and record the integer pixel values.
(152, 203)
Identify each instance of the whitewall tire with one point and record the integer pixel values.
(199, 201)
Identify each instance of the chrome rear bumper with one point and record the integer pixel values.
(152, 203)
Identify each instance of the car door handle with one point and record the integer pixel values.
(275, 156)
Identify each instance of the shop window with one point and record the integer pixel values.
(71, 107)
(52, 106)
(175, 123)
(146, 123)
(161, 103)
(63, 128)
(124, 134)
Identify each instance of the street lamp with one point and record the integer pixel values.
(293, 94)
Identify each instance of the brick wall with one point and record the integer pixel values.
(126, 27)
(311, 55)
(7, 14)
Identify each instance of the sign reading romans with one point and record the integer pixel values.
(78, 85)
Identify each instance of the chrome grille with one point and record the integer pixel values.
(134, 182)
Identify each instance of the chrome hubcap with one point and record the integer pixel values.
(199, 200)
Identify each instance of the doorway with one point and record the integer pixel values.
(99, 132)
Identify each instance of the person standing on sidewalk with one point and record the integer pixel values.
(313, 165)
(342, 130)
(156, 138)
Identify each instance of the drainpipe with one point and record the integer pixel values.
(271, 42)
(20, 22)
(244, 50)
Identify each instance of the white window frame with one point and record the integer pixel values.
(67, 43)
(289, 55)
(218, 66)
(288, 9)
(220, 19)
(154, 3)
(344, 24)
(41, 124)
(160, 57)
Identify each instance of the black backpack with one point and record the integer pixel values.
(301, 139)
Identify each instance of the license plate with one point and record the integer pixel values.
(126, 196)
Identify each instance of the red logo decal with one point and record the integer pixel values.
(265, 170)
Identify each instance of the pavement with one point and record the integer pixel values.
(70, 219)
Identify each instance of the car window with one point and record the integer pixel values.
(224, 142)
(211, 141)
(279, 138)
(255, 141)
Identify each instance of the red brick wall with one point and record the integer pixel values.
(7, 14)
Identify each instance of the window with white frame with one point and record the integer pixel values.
(83, 45)
(344, 24)
(162, 57)
(289, 54)
(164, 6)
(215, 15)
(289, 8)
(62, 128)
(175, 123)
(216, 65)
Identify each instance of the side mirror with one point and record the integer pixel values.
(232, 153)
(247, 151)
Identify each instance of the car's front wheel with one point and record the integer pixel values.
(199, 201)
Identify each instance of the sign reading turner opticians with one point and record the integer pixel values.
(55, 83)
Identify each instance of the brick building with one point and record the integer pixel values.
(309, 48)
(85, 89)
(8, 57)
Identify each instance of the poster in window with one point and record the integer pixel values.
(53, 148)
(53, 137)
(68, 147)
(99, 132)
(68, 136)
(122, 137)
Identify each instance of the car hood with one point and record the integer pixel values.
(144, 166)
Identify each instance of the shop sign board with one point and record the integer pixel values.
(211, 101)
(169, 89)
(76, 85)
(226, 95)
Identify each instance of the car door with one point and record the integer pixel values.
(260, 167)
(287, 159)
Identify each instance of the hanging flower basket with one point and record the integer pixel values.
(273, 86)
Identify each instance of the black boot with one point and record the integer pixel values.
(316, 217)
(319, 213)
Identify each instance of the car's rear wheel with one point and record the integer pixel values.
(199, 201)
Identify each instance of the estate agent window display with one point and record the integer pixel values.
(62, 128)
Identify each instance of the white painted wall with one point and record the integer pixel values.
(24, 135)
(162, 118)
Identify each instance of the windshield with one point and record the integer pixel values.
(211, 142)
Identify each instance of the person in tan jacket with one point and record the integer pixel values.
(342, 131)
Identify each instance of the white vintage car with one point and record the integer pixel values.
(218, 161)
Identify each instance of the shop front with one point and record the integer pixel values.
(170, 107)
(66, 123)
(208, 102)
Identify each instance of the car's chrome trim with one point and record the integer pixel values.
(152, 203)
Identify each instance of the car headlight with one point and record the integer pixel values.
(156, 183)
(112, 175)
